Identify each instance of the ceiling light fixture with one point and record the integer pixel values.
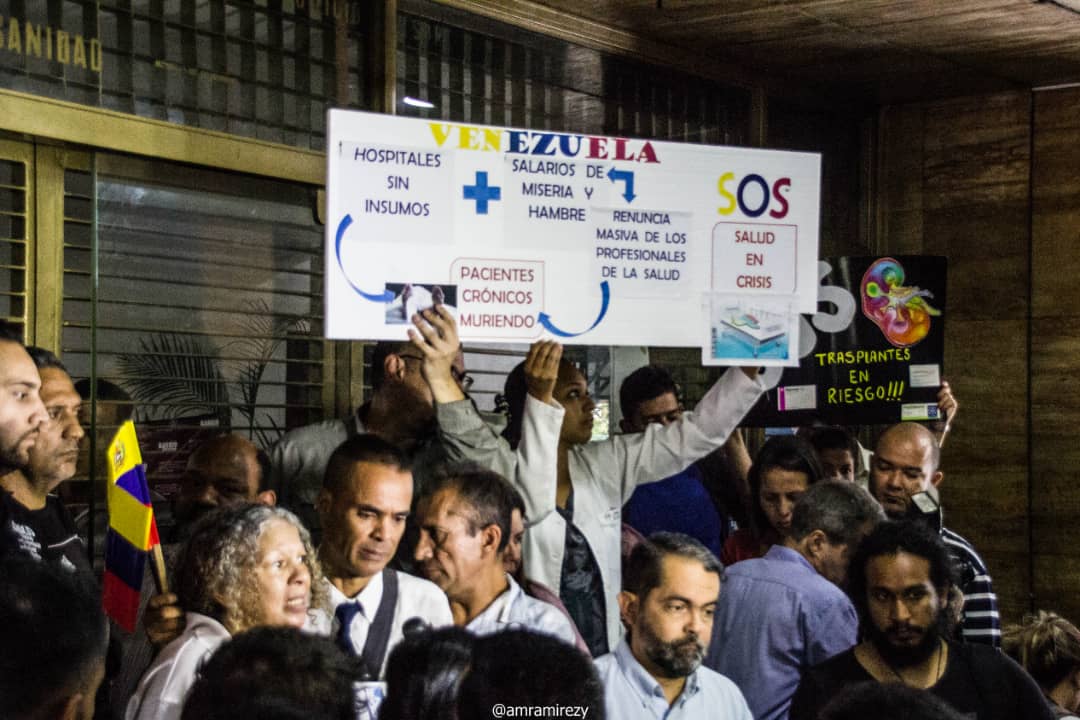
(417, 103)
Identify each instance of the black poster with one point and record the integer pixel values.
(874, 351)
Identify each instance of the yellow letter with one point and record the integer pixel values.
(724, 193)
(80, 51)
(468, 138)
(14, 41)
(95, 55)
(492, 139)
(63, 50)
(441, 131)
(33, 39)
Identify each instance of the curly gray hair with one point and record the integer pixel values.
(215, 571)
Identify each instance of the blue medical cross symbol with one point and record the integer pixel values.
(481, 193)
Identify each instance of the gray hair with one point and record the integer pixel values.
(215, 572)
(645, 566)
(840, 509)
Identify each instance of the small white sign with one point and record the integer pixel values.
(919, 411)
(923, 376)
(796, 397)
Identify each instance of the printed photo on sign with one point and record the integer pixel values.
(752, 331)
(411, 298)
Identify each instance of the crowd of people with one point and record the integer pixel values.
(414, 561)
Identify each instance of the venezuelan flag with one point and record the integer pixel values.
(132, 530)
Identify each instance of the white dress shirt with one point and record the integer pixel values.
(514, 609)
(417, 598)
(165, 686)
(631, 693)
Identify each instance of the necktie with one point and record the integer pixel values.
(345, 613)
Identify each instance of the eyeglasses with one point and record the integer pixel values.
(463, 379)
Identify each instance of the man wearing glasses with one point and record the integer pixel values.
(401, 411)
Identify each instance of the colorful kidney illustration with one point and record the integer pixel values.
(901, 312)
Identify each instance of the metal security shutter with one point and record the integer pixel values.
(16, 228)
(500, 75)
(208, 305)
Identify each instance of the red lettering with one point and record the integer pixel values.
(781, 183)
(598, 147)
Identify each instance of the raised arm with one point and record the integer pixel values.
(538, 450)
(659, 452)
(461, 431)
(948, 405)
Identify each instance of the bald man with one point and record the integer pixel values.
(905, 462)
(223, 470)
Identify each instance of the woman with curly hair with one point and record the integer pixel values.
(1048, 647)
(242, 567)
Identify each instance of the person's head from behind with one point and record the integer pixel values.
(55, 637)
(905, 462)
(671, 583)
(1048, 647)
(571, 392)
(648, 396)
(837, 451)
(899, 582)
(55, 453)
(269, 671)
(829, 522)
(524, 668)
(782, 471)
(247, 565)
(364, 502)
(464, 520)
(22, 413)
(424, 673)
(887, 701)
(223, 470)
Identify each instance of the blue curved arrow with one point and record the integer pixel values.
(385, 296)
(545, 319)
(624, 176)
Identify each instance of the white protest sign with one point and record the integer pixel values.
(527, 233)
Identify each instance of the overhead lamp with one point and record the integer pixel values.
(418, 103)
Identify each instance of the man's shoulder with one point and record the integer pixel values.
(423, 598)
(769, 573)
(841, 666)
(959, 545)
(545, 616)
(606, 666)
(324, 430)
(984, 657)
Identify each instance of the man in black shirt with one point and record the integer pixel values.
(899, 582)
(38, 451)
